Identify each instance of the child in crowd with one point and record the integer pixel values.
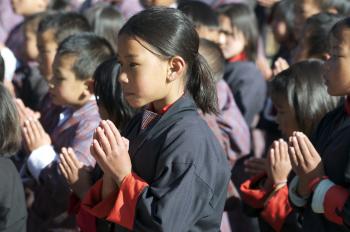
(322, 167)
(301, 100)
(71, 86)
(106, 22)
(30, 87)
(304, 9)
(12, 204)
(203, 17)
(174, 174)
(27, 8)
(314, 43)
(238, 41)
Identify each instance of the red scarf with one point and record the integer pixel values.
(240, 57)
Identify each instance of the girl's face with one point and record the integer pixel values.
(231, 40)
(286, 119)
(143, 74)
(279, 29)
(337, 68)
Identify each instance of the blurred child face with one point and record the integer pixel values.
(231, 40)
(143, 74)
(208, 33)
(32, 52)
(47, 47)
(304, 9)
(285, 119)
(279, 29)
(65, 88)
(337, 68)
(29, 7)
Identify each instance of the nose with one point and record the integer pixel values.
(123, 78)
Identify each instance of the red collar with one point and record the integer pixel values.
(240, 57)
(163, 110)
(347, 105)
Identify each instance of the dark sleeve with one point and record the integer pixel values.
(248, 87)
(178, 196)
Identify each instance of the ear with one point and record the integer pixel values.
(176, 68)
(326, 56)
(89, 87)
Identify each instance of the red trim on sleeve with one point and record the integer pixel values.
(253, 197)
(118, 207)
(277, 209)
(334, 202)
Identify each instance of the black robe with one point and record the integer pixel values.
(185, 167)
(332, 141)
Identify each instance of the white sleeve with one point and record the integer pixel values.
(39, 159)
(10, 63)
(293, 196)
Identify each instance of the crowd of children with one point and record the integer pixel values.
(170, 115)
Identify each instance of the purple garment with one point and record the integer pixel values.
(232, 123)
(8, 19)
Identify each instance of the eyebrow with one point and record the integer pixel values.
(128, 56)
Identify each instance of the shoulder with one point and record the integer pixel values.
(242, 70)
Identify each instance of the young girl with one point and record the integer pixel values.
(301, 100)
(322, 183)
(174, 176)
(238, 41)
(12, 204)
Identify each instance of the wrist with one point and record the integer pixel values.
(312, 184)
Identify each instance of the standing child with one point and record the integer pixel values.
(71, 86)
(13, 213)
(322, 167)
(174, 176)
(238, 41)
(301, 100)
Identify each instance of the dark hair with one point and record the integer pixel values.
(243, 18)
(338, 27)
(90, 51)
(199, 13)
(170, 33)
(58, 4)
(2, 69)
(109, 94)
(318, 28)
(10, 130)
(106, 22)
(63, 24)
(213, 55)
(303, 86)
(341, 6)
(33, 21)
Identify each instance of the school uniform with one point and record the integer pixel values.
(75, 129)
(248, 87)
(13, 213)
(179, 175)
(328, 208)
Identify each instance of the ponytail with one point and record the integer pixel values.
(201, 86)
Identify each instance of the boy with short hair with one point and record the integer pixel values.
(71, 86)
